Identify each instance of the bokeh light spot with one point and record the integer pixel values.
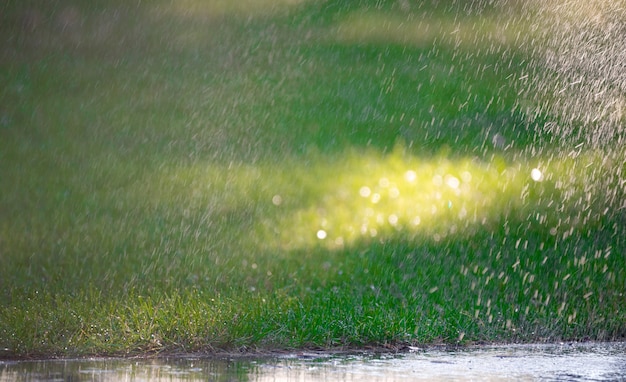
(393, 219)
(277, 200)
(452, 182)
(536, 175)
(410, 176)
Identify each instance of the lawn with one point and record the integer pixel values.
(204, 176)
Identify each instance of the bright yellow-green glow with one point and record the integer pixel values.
(340, 200)
(373, 196)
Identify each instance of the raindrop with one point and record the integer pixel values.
(365, 191)
(277, 200)
(410, 176)
(498, 141)
(393, 219)
(452, 182)
(375, 198)
(536, 175)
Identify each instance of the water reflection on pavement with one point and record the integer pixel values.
(562, 362)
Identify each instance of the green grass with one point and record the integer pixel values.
(212, 176)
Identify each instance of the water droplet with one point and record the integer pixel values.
(410, 176)
(277, 200)
(452, 182)
(393, 219)
(536, 175)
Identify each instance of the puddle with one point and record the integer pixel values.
(564, 362)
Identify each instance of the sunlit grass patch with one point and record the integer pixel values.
(371, 197)
(336, 200)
